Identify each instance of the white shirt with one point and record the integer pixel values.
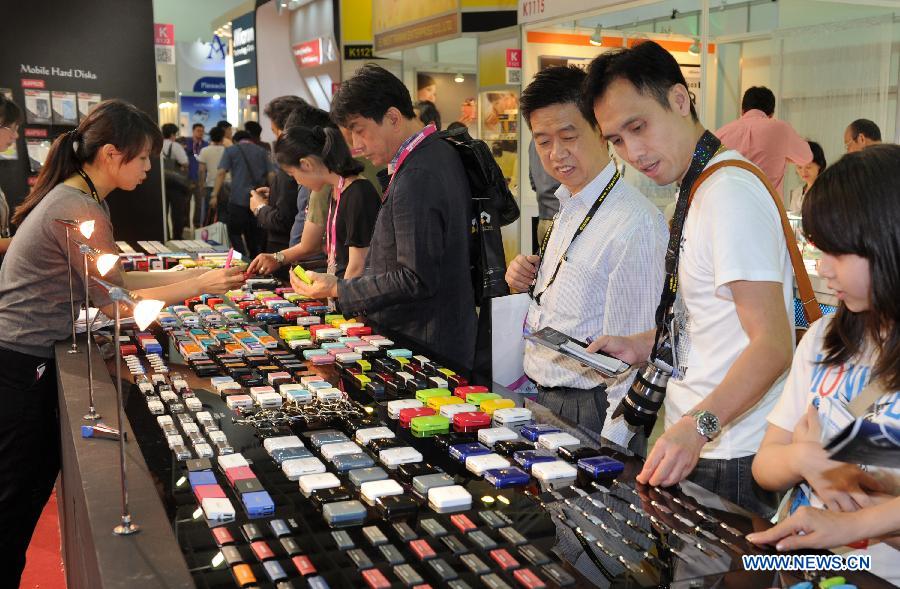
(609, 284)
(177, 152)
(210, 156)
(830, 389)
(732, 232)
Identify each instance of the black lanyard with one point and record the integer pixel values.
(587, 219)
(707, 147)
(90, 184)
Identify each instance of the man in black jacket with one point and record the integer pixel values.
(416, 281)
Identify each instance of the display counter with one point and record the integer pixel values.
(588, 531)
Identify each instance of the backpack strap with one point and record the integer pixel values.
(807, 296)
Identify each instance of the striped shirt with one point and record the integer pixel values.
(609, 283)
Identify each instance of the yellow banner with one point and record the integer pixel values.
(393, 14)
(356, 21)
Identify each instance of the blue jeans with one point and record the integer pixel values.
(733, 480)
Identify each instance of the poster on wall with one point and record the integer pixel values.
(65, 111)
(454, 101)
(499, 114)
(201, 66)
(86, 102)
(10, 153)
(37, 153)
(206, 110)
(37, 107)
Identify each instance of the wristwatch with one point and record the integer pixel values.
(708, 424)
(279, 257)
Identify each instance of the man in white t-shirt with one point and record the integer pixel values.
(209, 162)
(602, 261)
(732, 323)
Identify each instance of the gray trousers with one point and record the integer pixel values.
(584, 408)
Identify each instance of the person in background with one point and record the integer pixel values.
(861, 134)
(110, 149)
(255, 130)
(316, 157)
(764, 140)
(544, 186)
(417, 280)
(178, 196)
(276, 208)
(428, 113)
(733, 309)
(10, 119)
(194, 144)
(808, 173)
(229, 130)
(601, 265)
(426, 88)
(208, 166)
(250, 168)
(849, 358)
(308, 227)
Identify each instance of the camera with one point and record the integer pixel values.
(646, 394)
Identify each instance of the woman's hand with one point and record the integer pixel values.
(840, 486)
(263, 264)
(809, 527)
(221, 280)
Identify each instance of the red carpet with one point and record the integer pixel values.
(44, 567)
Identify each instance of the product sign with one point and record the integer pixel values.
(31, 83)
(309, 53)
(164, 42)
(537, 10)
(403, 23)
(359, 52)
(243, 38)
(513, 58)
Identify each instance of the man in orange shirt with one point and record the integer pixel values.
(762, 139)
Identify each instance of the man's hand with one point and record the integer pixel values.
(674, 455)
(213, 200)
(809, 527)
(632, 349)
(259, 197)
(323, 285)
(263, 264)
(521, 272)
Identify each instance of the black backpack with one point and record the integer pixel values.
(493, 207)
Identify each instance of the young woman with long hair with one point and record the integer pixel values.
(852, 214)
(318, 157)
(109, 150)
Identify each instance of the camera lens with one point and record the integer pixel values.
(645, 397)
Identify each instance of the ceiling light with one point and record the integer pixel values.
(459, 79)
(597, 37)
(216, 97)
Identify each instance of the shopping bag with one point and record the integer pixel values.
(508, 342)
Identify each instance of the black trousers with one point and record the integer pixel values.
(29, 453)
(179, 200)
(243, 231)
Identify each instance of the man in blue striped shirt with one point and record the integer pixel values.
(601, 271)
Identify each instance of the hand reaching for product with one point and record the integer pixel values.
(263, 264)
(322, 285)
(222, 280)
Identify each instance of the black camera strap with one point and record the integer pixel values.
(587, 219)
(707, 148)
(90, 184)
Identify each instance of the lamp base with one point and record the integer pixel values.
(126, 528)
(73, 350)
(91, 415)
